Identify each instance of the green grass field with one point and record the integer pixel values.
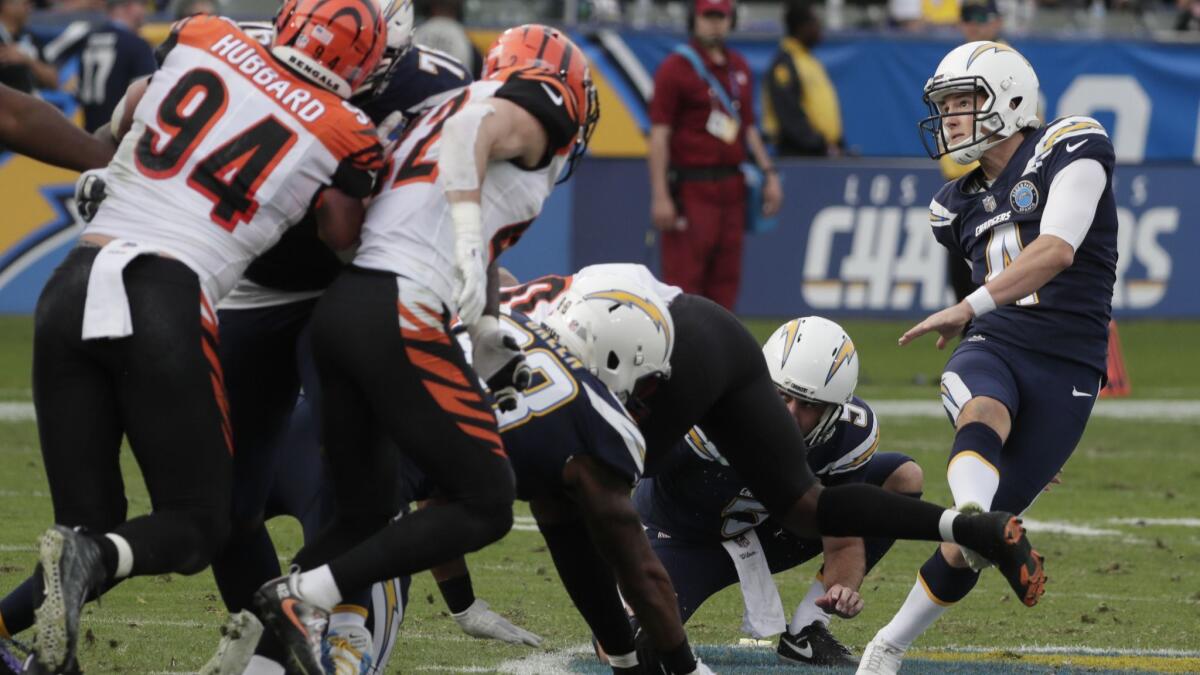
(1123, 594)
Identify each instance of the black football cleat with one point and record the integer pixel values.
(72, 570)
(999, 537)
(814, 645)
(299, 625)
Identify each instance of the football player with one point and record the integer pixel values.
(32, 127)
(465, 181)
(720, 382)
(230, 143)
(710, 532)
(1037, 223)
(576, 454)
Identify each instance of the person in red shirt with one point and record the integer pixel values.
(698, 194)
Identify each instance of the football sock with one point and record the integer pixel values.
(972, 471)
(16, 608)
(108, 553)
(458, 593)
(260, 665)
(937, 587)
(318, 587)
(591, 584)
(123, 564)
(861, 510)
(807, 611)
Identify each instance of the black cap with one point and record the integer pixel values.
(979, 11)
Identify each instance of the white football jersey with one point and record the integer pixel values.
(227, 150)
(408, 230)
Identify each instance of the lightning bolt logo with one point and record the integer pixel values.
(844, 354)
(649, 308)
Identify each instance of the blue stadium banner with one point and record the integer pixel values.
(1146, 94)
(854, 238)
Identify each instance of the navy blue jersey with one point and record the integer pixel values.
(300, 261)
(697, 496)
(421, 80)
(566, 411)
(1068, 317)
(110, 58)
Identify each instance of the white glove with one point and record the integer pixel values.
(480, 621)
(468, 256)
(498, 359)
(90, 191)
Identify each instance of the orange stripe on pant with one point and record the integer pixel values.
(424, 332)
(216, 374)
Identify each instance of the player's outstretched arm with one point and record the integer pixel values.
(1070, 207)
(616, 529)
(845, 565)
(37, 129)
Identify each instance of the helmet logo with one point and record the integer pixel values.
(792, 328)
(1024, 197)
(987, 47)
(844, 354)
(638, 302)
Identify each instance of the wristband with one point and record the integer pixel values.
(981, 301)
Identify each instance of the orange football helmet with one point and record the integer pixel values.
(334, 43)
(546, 50)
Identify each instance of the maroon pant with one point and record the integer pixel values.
(706, 257)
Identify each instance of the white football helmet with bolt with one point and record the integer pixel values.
(813, 360)
(620, 330)
(1010, 89)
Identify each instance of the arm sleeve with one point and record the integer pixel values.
(665, 101)
(794, 129)
(1071, 203)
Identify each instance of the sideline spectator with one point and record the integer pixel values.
(21, 64)
(444, 31)
(696, 145)
(800, 106)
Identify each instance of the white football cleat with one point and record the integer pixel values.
(880, 658)
(239, 638)
(347, 650)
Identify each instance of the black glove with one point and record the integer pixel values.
(90, 191)
(500, 362)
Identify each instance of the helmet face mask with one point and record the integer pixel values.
(985, 122)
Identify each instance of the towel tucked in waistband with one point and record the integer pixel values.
(106, 309)
(763, 616)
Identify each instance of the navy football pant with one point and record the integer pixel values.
(1049, 400)
(261, 351)
(699, 570)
